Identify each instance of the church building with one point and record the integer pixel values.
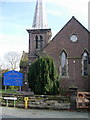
(69, 49)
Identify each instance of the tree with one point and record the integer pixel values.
(43, 76)
(13, 59)
(2, 71)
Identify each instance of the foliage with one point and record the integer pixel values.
(23, 64)
(43, 76)
(13, 87)
(2, 77)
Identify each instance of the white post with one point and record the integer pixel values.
(14, 103)
(7, 103)
(5, 87)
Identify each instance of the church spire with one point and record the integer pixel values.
(40, 21)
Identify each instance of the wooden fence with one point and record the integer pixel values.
(83, 100)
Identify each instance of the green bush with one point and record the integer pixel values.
(43, 76)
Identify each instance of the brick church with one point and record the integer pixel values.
(69, 49)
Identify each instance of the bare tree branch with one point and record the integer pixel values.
(13, 58)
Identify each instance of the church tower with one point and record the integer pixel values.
(40, 34)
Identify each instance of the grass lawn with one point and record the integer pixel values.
(8, 91)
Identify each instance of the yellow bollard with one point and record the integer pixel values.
(26, 102)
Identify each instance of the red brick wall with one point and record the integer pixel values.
(74, 50)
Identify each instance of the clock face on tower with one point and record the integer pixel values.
(74, 38)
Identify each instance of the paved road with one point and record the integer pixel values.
(9, 112)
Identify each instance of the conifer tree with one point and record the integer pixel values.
(43, 76)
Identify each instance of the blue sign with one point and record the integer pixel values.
(13, 78)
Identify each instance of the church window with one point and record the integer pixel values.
(74, 38)
(63, 64)
(41, 41)
(85, 63)
(36, 42)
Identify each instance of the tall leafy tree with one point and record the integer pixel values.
(43, 76)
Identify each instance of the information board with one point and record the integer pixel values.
(13, 78)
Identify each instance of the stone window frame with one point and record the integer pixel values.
(83, 71)
(63, 76)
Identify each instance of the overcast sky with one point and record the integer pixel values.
(17, 15)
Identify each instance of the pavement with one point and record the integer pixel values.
(10, 112)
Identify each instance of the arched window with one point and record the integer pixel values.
(36, 38)
(63, 58)
(41, 41)
(85, 63)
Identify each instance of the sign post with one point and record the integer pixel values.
(20, 88)
(5, 88)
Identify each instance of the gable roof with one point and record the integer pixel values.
(64, 27)
(68, 23)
